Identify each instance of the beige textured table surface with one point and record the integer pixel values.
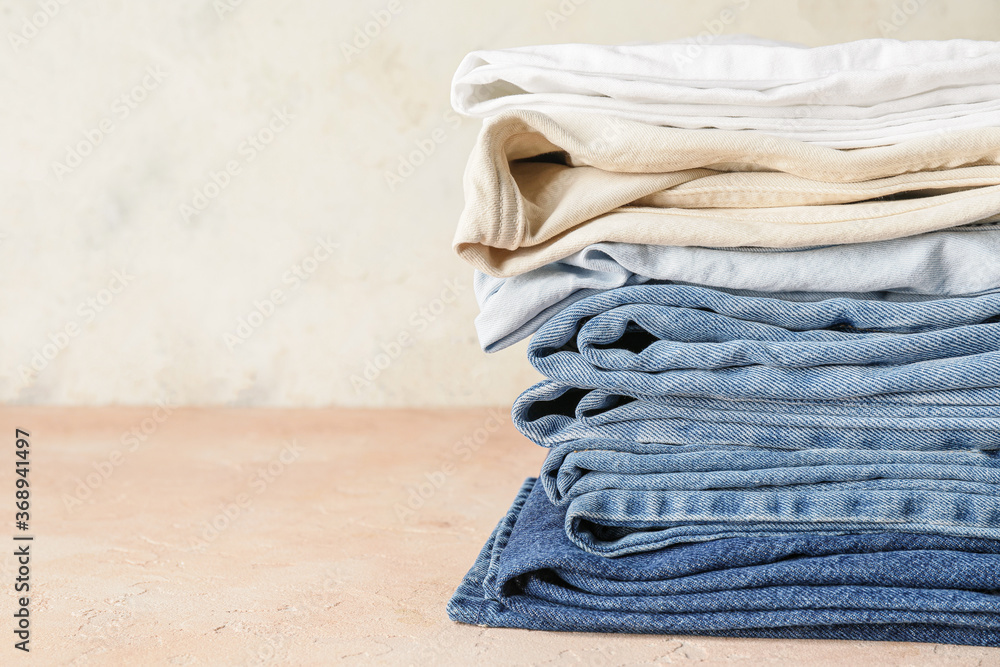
(312, 558)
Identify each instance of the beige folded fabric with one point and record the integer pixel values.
(540, 187)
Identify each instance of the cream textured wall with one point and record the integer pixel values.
(169, 168)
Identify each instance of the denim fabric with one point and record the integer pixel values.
(623, 497)
(551, 413)
(842, 416)
(661, 341)
(889, 587)
(961, 261)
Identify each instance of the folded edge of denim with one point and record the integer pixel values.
(577, 346)
(582, 466)
(489, 595)
(550, 413)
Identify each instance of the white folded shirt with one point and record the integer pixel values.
(866, 93)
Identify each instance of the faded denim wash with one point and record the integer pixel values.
(683, 414)
(551, 413)
(660, 341)
(623, 497)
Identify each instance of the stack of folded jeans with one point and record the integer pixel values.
(764, 289)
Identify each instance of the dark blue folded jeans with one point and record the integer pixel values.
(892, 587)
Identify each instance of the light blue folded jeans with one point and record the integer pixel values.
(623, 497)
(959, 261)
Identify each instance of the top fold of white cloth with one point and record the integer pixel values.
(864, 93)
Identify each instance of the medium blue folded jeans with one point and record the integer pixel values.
(623, 497)
(890, 587)
(551, 413)
(662, 341)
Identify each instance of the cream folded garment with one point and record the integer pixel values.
(540, 187)
(871, 92)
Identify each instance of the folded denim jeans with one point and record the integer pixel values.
(888, 587)
(624, 497)
(663, 341)
(840, 416)
(539, 188)
(865, 93)
(551, 413)
(960, 261)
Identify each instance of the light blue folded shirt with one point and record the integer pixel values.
(959, 261)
